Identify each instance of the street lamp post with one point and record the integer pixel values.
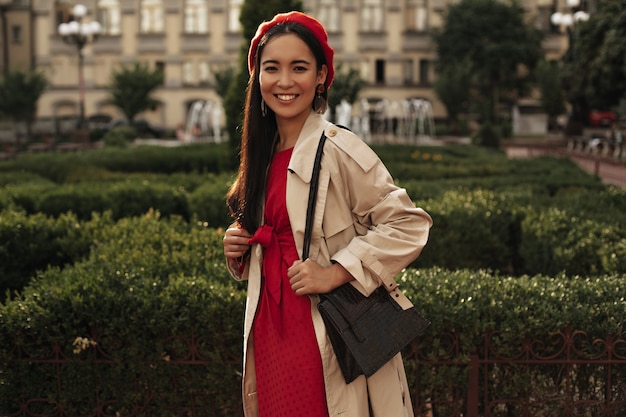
(79, 34)
(568, 20)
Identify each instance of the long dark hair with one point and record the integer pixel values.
(245, 198)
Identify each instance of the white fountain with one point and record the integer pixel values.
(419, 121)
(204, 121)
(385, 121)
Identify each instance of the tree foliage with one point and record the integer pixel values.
(594, 69)
(252, 14)
(493, 39)
(19, 93)
(223, 79)
(132, 87)
(452, 89)
(548, 77)
(346, 86)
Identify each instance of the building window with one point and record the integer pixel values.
(16, 34)
(408, 71)
(62, 12)
(152, 18)
(234, 10)
(204, 73)
(416, 15)
(424, 71)
(543, 21)
(109, 16)
(188, 73)
(328, 14)
(365, 70)
(196, 16)
(380, 71)
(372, 16)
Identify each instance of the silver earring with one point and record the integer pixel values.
(263, 108)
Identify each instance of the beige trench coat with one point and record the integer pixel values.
(368, 225)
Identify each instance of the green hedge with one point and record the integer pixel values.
(513, 233)
(31, 243)
(145, 281)
(58, 167)
(153, 290)
(511, 216)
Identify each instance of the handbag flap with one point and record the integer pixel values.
(350, 303)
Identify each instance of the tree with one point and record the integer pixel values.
(346, 86)
(452, 89)
(552, 95)
(19, 94)
(252, 14)
(594, 67)
(492, 38)
(131, 89)
(223, 79)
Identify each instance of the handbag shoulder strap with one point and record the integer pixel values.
(391, 284)
(310, 210)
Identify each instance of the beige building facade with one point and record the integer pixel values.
(388, 41)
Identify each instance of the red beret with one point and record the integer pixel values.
(308, 22)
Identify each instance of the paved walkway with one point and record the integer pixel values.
(608, 169)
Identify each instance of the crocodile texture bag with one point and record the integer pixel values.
(365, 332)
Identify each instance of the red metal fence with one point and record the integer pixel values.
(565, 374)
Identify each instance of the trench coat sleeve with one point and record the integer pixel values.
(390, 230)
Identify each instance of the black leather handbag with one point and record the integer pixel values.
(365, 332)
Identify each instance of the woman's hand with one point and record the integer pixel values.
(309, 277)
(236, 243)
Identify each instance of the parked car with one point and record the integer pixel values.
(599, 118)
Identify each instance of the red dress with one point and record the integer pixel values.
(289, 371)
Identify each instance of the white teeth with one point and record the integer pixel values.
(286, 97)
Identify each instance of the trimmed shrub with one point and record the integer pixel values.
(560, 240)
(82, 200)
(470, 230)
(134, 199)
(151, 293)
(120, 136)
(31, 243)
(488, 136)
(124, 199)
(208, 203)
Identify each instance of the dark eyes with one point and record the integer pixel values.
(298, 68)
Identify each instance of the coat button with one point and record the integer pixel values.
(332, 133)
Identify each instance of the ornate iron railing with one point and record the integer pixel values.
(565, 374)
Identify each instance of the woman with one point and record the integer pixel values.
(365, 228)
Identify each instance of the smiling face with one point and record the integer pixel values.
(288, 76)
